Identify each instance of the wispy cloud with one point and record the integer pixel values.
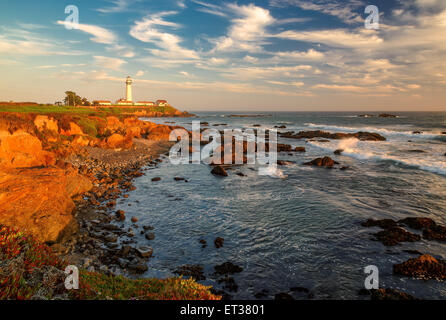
(151, 30)
(100, 35)
(117, 6)
(109, 63)
(347, 11)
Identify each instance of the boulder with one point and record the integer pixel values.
(159, 132)
(219, 171)
(73, 130)
(387, 115)
(219, 242)
(45, 123)
(395, 235)
(424, 267)
(363, 136)
(322, 162)
(39, 200)
(21, 150)
(390, 294)
(118, 141)
(227, 268)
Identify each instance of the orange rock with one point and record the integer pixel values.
(43, 122)
(118, 141)
(38, 200)
(74, 130)
(81, 141)
(159, 132)
(21, 149)
(113, 123)
(133, 132)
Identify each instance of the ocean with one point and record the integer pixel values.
(303, 227)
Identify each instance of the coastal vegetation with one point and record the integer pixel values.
(30, 270)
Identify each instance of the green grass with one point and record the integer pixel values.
(44, 109)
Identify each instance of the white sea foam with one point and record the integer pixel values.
(274, 172)
(382, 131)
(431, 161)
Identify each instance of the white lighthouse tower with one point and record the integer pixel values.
(128, 96)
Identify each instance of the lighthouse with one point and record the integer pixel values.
(128, 96)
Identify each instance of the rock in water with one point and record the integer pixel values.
(424, 267)
(145, 252)
(390, 294)
(120, 215)
(283, 296)
(322, 162)
(338, 152)
(219, 242)
(227, 268)
(219, 171)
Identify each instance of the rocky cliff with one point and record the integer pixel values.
(36, 185)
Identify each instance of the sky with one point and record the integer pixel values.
(276, 55)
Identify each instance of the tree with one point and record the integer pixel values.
(72, 99)
(85, 102)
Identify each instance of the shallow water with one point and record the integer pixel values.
(303, 230)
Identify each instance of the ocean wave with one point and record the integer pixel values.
(382, 131)
(361, 150)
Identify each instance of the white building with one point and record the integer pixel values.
(128, 92)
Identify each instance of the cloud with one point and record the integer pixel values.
(311, 54)
(181, 4)
(118, 6)
(210, 8)
(109, 63)
(150, 30)
(100, 35)
(340, 38)
(23, 42)
(122, 51)
(268, 73)
(140, 73)
(347, 11)
(247, 31)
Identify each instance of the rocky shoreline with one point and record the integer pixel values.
(95, 246)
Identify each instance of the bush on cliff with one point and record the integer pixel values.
(29, 270)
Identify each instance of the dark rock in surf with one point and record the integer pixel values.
(322, 162)
(219, 171)
(227, 268)
(120, 215)
(387, 115)
(390, 294)
(150, 236)
(283, 163)
(338, 152)
(218, 242)
(156, 179)
(363, 136)
(395, 235)
(193, 271)
(384, 223)
(418, 223)
(283, 296)
(424, 267)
